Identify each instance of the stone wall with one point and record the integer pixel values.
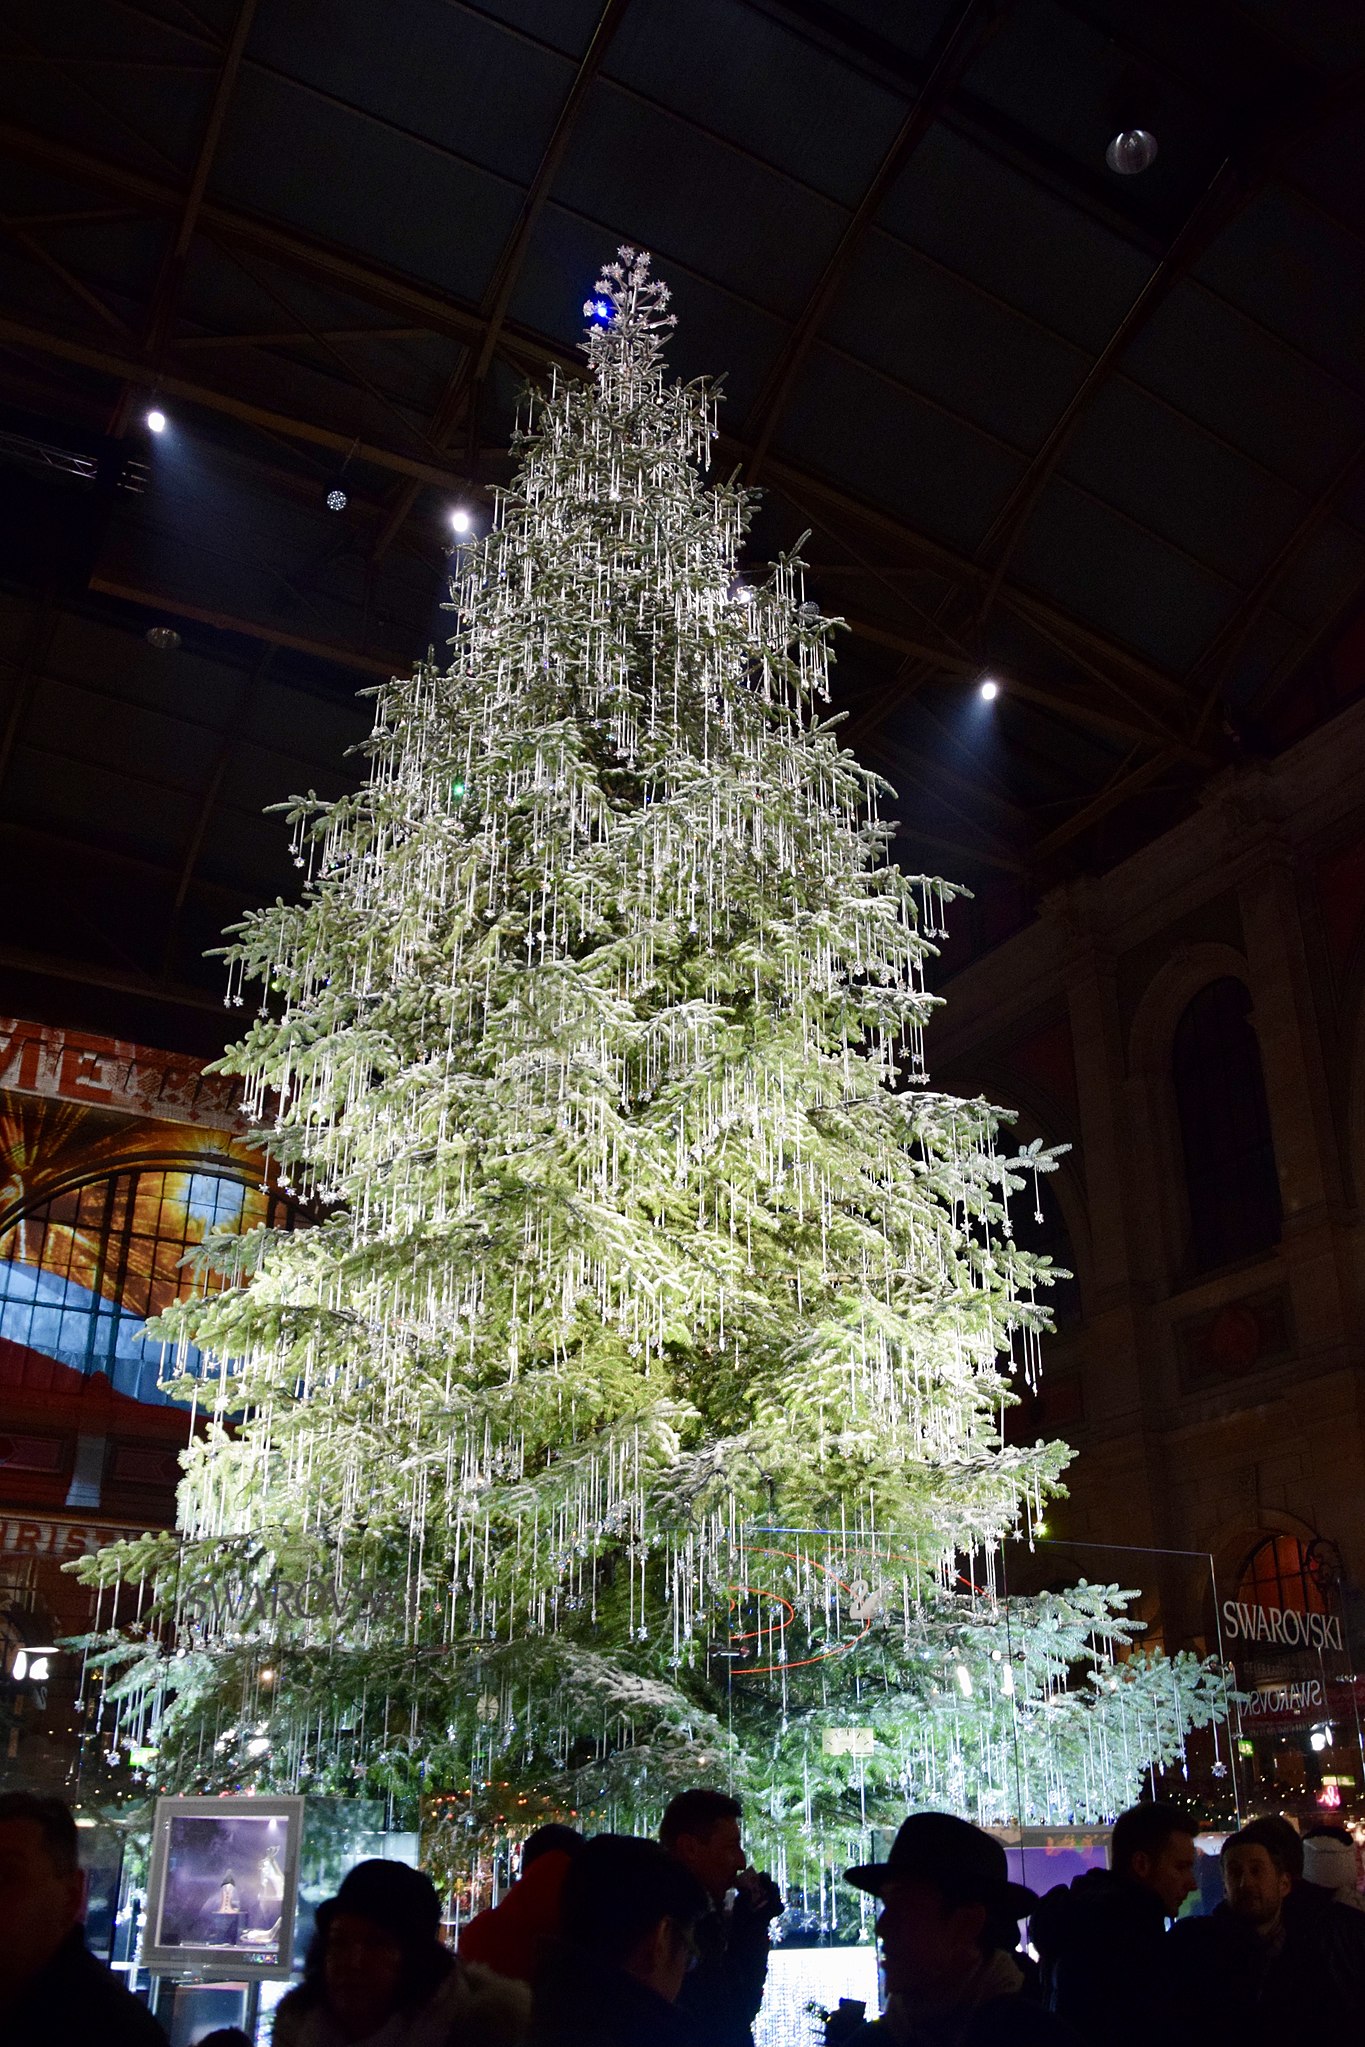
(1208, 1409)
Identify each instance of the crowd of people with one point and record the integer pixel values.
(620, 1941)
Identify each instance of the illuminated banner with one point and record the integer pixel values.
(1283, 1626)
(67, 1066)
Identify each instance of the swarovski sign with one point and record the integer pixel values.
(1284, 1626)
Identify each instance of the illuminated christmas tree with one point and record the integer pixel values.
(633, 1411)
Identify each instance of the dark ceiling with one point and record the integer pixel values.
(1101, 436)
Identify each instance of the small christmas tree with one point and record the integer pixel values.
(657, 1306)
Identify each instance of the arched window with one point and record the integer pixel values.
(80, 1275)
(1230, 1176)
(1279, 1572)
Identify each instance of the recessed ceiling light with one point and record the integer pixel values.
(156, 420)
(461, 520)
(990, 690)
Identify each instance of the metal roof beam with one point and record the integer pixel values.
(20, 334)
(900, 775)
(1215, 663)
(291, 248)
(957, 47)
(57, 969)
(1216, 205)
(1162, 696)
(1236, 182)
(28, 673)
(1299, 657)
(1052, 696)
(297, 336)
(168, 284)
(470, 375)
(1109, 798)
(227, 750)
(442, 315)
(335, 651)
(88, 298)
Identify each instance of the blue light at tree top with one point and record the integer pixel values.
(601, 312)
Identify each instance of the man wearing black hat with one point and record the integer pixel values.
(949, 1927)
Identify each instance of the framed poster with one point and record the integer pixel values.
(222, 1887)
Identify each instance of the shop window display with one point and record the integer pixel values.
(81, 1274)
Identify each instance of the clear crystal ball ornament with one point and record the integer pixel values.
(1131, 151)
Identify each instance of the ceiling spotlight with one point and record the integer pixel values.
(990, 690)
(461, 520)
(336, 499)
(156, 421)
(1132, 150)
(164, 638)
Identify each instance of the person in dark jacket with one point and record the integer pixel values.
(722, 1994)
(1109, 1927)
(378, 1969)
(51, 1987)
(509, 1936)
(1273, 1963)
(628, 1920)
(949, 1926)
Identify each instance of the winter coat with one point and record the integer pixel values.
(471, 2007)
(1102, 1932)
(579, 2001)
(1308, 1982)
(509, 1936)
(724, 1989)
(76, 2000)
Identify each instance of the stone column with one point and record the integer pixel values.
(1291, 1050)
(1113, 1376)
